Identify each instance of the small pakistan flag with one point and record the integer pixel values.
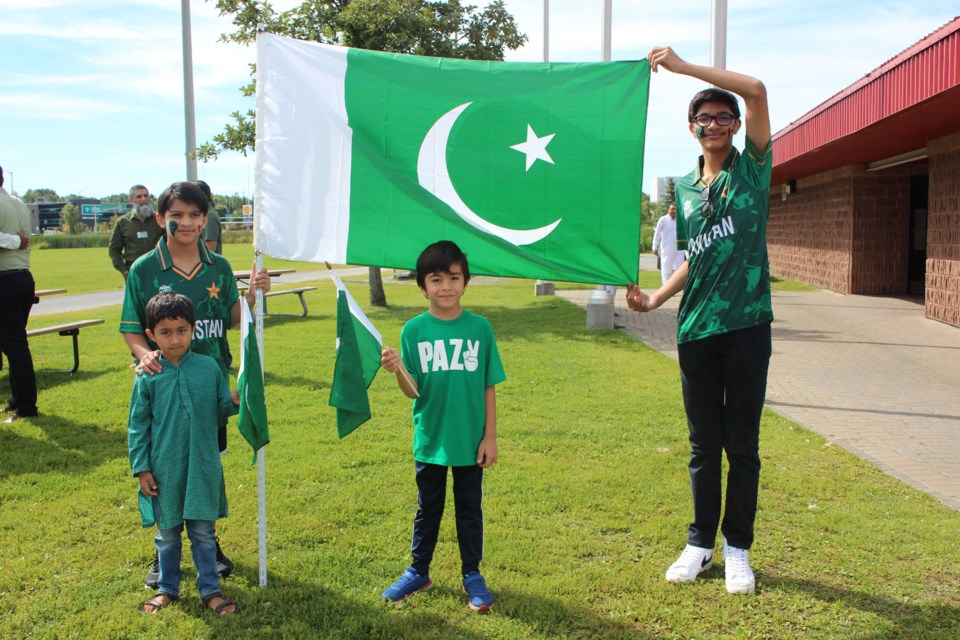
(533, 169)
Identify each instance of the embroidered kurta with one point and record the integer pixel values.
(172, 432)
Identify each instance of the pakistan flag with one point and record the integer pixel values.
(365, 158)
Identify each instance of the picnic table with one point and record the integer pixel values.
(243, 282)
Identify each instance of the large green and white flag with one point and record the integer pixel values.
(358, 359)
(252, 420)
(366, 157)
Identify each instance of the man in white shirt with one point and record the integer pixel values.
(665, 244)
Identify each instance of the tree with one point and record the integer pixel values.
(49, 195)
(72, 222)
(446, 29)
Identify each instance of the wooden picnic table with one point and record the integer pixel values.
(48, 292)
(243, 277)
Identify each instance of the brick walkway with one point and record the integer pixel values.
(870, 374)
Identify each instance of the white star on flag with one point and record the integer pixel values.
(535, 147)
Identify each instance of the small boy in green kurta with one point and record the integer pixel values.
(172, 436)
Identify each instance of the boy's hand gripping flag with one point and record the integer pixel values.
(252, 420)
(533, 169)
(358, 359)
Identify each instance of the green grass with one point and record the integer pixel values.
(585, 509)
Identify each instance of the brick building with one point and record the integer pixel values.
(866, 186)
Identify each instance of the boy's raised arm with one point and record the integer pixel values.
(756, 113)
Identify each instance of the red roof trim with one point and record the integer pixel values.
(919, 73)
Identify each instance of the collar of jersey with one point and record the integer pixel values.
(729, 162)
(166, 261)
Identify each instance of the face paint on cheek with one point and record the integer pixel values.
(172, 227)
(700, 131)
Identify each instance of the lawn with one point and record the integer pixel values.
(585, 509)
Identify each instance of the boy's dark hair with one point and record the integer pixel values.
(186, 192)
(169, 306)
(713, 94)
(438, 258)
(206, 189)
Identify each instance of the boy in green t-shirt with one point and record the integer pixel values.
(172, 437)
(453, 365)
(723, 323)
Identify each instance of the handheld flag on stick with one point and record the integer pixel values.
(358, 359)
(252, 420)
(533, 169)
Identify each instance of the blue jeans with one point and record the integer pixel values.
(203, 545)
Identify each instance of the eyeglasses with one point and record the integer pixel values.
(722, 119)
(706, 209)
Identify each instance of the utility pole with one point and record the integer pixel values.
(188, 110)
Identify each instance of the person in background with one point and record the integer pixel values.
(135, 233)
(665, 244)
(17, 291)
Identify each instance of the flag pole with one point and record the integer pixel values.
(261, 454)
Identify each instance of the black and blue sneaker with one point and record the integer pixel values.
(408, 584)
(478, 596)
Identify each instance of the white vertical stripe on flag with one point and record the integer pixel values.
(296, 107)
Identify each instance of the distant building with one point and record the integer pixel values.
(662, 187)
(865, 194)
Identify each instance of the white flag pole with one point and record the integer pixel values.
(261, 457)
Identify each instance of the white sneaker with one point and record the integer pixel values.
(691, 563)
(736, 565)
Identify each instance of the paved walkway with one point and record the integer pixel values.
(870, 374)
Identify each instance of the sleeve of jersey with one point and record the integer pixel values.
(757, 167)
(495, 373)
(131, 315)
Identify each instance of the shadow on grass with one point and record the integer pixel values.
(910, 620)
(296, 609)
(53, 378)
(69, 447)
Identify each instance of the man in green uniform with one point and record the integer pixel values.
(182, 263)
(135, 233)
(723, 337)
(212, 233)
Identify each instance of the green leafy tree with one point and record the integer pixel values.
(49, 195)
(72, 223)
(447, 29)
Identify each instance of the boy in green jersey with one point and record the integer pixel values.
(182, 263)
(172, 437)
(453, 365)
(723, 323)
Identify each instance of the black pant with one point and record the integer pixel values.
(16, 299)
(467, 501)
(724, 381)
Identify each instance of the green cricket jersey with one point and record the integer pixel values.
(210, 286)
(728, 282)
(452, 362)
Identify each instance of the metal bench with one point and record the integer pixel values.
(299, 291)
(69, 329)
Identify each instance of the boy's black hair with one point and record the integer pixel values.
(169, 306)
(186, 192)
(713, 94)
(206, 189)
(437, 258)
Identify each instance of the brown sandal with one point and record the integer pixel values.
(156, 604)
(219, 609)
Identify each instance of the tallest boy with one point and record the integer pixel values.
(723, 324)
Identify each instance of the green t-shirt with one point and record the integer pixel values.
(728, 283)
(212, 230)
(211, 287)
(452, 362)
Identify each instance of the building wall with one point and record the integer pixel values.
(943, 231)
(809, 236)
(881, 233)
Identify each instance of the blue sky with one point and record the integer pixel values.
(91, 93)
